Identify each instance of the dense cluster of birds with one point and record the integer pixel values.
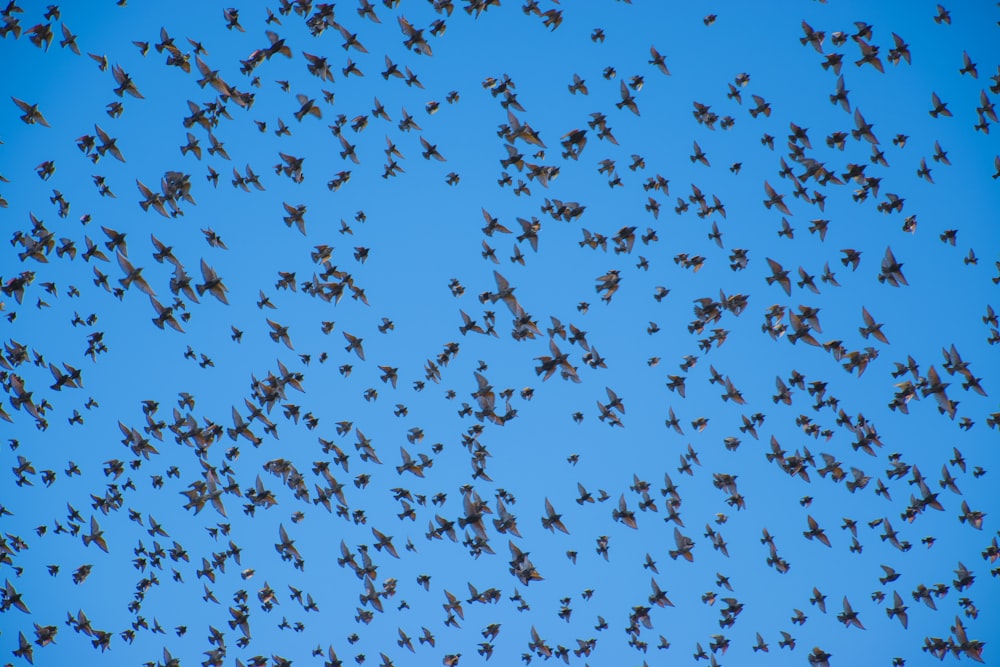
(228, 468)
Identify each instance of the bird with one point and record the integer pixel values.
(430, 150)
(552, 521)
(871, 328)
(849, 617)
(31, 114)
(815, 532)
(354, 343)
(213, 283)
(779, 275)
(279, 333)
(774, 199)
(125, 83)
(658, 60)
(627, 100)
(898, 610)
(938, 108)
(96, 536)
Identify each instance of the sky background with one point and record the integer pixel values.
(422, 232)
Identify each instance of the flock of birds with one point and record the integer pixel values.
(279, 461)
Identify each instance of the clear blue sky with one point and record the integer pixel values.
(494, 77)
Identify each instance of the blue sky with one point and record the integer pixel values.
(420, 233)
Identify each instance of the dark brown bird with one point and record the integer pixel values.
(31, 113)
